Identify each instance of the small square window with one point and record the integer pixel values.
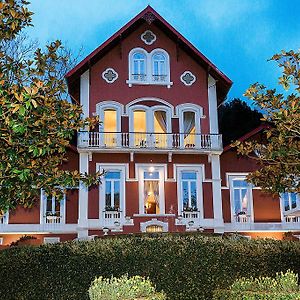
(51, 240)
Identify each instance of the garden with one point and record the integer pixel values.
(189, 266)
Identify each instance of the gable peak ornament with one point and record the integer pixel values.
(148, 37)
(149, 17)
(110, 75)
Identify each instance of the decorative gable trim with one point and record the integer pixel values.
(187, 78)
(110, 75)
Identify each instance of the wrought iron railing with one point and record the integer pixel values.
(146, 140)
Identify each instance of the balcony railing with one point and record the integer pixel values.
(292, 219)
(242, 218)
(159, 78)
(191, 215)
(146, 140)
(112, 218)
(53, 219)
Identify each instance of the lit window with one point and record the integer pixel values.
(154, 228)
(112, 190)
(189, 191)
(189, 129)
(151, 193)
(241, 199)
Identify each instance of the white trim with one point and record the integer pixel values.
(213, 105)
(51, 240)
(123, 169)
(198, 169)
(151, 42)
(1, 240)
(135, 101)
(162, 169)
(187, 72)
(5, 218)
(114, 79)
(164, 225)
(85, 93)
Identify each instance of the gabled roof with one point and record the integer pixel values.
(151, 16)
(261, 128)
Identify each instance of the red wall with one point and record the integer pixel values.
(119, 91)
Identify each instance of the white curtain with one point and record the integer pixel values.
(188, 122)
(155, 186)
(161, 118)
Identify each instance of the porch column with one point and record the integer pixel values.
(83, 198)
(217, 193)
(213, 106)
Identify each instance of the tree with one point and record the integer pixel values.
(236, 118)
(279, 157)
(36, 120)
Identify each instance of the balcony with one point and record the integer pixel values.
(144, 141)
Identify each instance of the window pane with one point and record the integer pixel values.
(185, 194)
(57, 206)
(244, 200)
(112, 175)
(151, 175)
(293, 199)
(194, 194)
(237, 201)
(135, 67)
(117, 194)
(110, 120)
(142, 67)
(285, 197)
(49, 204)
(240, 183)
(189, 175)
(108, 193)
(138, 56)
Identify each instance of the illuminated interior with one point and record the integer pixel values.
(140, 127)
(151, 192)
(110, 120)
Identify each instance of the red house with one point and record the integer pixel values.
(159, 145)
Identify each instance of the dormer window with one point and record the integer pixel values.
(159, 72)
(139, 67)
(149, 68)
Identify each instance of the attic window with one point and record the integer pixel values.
(148, 37)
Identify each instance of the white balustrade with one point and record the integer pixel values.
(143, 140)
(53, 219)
(191, 214)
(112, 218)
(292, 219)
(242, 218)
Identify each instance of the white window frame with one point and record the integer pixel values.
(150, 120)
(112, 168)
(1, 240)
(231, 178)
(198, 111)
(198, 169)
(149, 68)
(291, 210)
(44, 208)
(161, 169)
(4, 219)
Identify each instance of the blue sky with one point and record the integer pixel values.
(236, 35)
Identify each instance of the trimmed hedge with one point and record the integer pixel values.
(124, 288)
(184, 267)
(282, 287)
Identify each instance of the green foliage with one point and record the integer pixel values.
(283, 287)
(185, 267)
(37, 122)
(236, 118)
(123, 288)
(279, 157)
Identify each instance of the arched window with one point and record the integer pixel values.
(159, 70)
(139, 66)
(149, 68)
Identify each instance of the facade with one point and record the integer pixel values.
(159, 146)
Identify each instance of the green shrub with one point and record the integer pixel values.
(123, 288)
(282, 287)
(185, 267)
